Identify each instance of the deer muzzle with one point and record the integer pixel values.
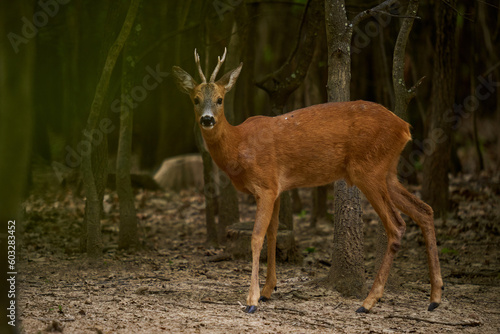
(207, 121)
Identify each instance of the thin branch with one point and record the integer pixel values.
(464, 15)
(394, 15)
(261, 83)
(491, 69)
(282, 82)
(297, 43)
(413, 89)
(369, 12)
(471, 323)
(283, 309)
(488, 4)
(219, 302)
(113, 53)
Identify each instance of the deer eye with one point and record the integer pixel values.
(219, 100)
(196, 100)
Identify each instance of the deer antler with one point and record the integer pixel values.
(217, 68)
(197, 60)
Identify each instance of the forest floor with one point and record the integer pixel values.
(173, 285)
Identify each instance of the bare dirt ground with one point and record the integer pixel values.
(173, 285)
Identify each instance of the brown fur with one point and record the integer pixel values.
(358, 141)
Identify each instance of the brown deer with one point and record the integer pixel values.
(358, 141)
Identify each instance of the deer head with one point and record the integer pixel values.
(208, 97)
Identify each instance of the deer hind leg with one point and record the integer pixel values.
(272, 232)
(423, 215)
(265, 206)
(394, 226)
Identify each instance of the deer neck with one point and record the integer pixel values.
(222, 142)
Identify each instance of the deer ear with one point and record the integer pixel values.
(183, 80)
(228, 80)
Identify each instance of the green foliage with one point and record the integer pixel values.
(446, 250)
(302, 214)
(418, 165)
(310, 250)
(268, 53)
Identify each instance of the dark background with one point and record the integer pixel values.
(71, 49)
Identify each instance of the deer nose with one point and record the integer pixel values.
(207, 121)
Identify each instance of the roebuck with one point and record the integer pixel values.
(358, 141)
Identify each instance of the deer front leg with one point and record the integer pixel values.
(265, 203)
(272, 232)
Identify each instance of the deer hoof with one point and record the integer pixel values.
(263, 299)
(433, 306)
(250, 309)
(361, 310)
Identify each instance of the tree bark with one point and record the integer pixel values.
(347, 271)
(127, 237)
(16, 129)
(403, 95)
(437, 156)
(93, 202)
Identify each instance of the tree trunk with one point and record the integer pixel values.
(319, 205)
(94, 124)
(245, 88)
(296, 201)
(210, 190)
(403, 95)
(347, 271)
(229, 212)
(168, 54)
(437, 156)
(16, 129)
(127, 237)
